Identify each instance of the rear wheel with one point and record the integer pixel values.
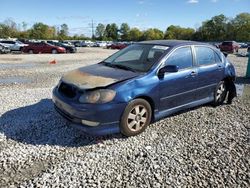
(136, 117)
(54, 51)
(31, 51)
(220, 93)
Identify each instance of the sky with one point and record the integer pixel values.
(143, 14)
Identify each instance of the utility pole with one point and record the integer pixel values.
(92, 26)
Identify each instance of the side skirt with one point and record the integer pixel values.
(164, 113)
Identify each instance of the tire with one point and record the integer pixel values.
(54, 51)
(220, 93)
(30, 51)
(136, 117)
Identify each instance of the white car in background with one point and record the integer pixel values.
(100, 44)
(14, 45)
(4, 49)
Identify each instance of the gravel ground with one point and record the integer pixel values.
(201, 147)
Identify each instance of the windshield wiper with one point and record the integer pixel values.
(124, 67)
(119, 66)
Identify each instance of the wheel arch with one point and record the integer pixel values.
(231, 89)
(228, 80)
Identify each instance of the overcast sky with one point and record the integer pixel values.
(143, 14)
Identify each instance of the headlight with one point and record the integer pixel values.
(97, 96)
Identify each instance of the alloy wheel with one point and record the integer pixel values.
(220, 91)
(137, 118)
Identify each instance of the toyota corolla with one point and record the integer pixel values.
(143, 83)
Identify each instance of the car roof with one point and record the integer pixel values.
(173, 43)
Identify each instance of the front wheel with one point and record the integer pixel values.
(220, 93)
(136, 117)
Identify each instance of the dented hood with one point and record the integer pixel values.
(97, 75)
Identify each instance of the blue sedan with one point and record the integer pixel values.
(143, 83)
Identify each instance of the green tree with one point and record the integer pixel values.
(100, 31)
(124, 30)
(8, 29)
(64, 31)
(135, 34)
(214, 29)
(241, 27)
(111, 31)
(153, 34)
(42, 31)
(179, 33)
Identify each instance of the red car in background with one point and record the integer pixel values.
(117, 46)
(229, 46)
(42, 47)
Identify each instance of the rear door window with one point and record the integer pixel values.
(204, 55)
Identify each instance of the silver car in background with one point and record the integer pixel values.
(14, 45)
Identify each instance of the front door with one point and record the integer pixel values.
(178, 88)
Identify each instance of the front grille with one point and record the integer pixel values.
(67, 90)
(67, 116)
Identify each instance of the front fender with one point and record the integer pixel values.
(146, 86)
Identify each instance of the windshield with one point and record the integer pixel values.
(137, 57)
(19, 42)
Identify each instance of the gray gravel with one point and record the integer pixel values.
(201, 147)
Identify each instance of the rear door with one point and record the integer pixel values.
(178, 88)
(210, 70)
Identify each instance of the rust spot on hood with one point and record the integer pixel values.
(86, 81)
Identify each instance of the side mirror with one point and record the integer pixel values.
(167, 68)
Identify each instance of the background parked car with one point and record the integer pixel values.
(229, 46)
(118, 45)
(100, 44)
(83, 43)
(14, 45)
(4, 49)
(69, 48)
(43, 47)
(67, 43)
(243, 45)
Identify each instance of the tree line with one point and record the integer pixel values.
(218, 28)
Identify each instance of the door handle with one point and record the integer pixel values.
(193, 73)
(220, 67)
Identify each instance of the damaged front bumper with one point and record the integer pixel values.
(102, 119)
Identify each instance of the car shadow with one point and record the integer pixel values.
(40, 124)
